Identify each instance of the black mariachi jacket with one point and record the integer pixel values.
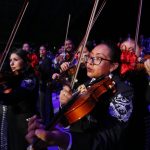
(15, 108)
(104, 127)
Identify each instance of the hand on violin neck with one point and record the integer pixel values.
(64, 66)
(55, 76)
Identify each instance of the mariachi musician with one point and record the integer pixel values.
(18, 99)
(65, 53)
(68, 68)
(134, 71)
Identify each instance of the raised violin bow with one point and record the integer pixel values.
(13, 33)
(137, 28)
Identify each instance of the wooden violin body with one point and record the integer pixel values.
(130, 62)
(5, 79)
(86, 101)
(140, 65)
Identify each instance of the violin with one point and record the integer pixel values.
(74, 62)
(140, 65)
(81, 104)
(5, 79)
(65, 76)
(86, 101)
(130, 62)
(147, 57)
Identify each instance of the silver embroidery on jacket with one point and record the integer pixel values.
(28, 84)
(3, 129)
(121, 108)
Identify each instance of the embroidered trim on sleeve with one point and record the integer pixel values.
(121, 108)
(28, 84)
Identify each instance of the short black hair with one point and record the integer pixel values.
(115, 52)
(90, 45)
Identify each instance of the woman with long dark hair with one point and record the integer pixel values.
(18, 103)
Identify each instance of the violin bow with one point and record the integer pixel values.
(96, 17)
(137, 28)
(99, 12)
(92, 20)
(13, 33)
(67, 33)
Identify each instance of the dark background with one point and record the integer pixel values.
(45, 21)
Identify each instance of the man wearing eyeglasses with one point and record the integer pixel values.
(104, 127)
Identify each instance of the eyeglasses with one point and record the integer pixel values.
(95, 60)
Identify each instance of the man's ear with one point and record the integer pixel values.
(114, 66)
